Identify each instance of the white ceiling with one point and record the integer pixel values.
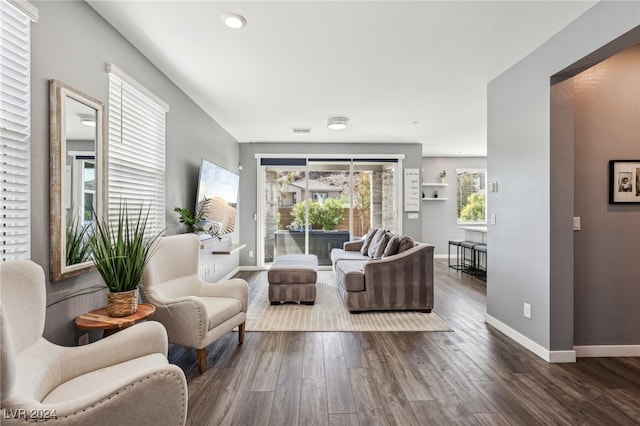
(412, 71)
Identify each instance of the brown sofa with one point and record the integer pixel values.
(402, 281)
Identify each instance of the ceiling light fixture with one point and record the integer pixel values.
(233, 20)
(88, 120)
(337, 123)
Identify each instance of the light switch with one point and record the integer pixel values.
(576, 223)
(493, 219)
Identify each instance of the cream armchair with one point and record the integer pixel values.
(194, 312)
(122, 379)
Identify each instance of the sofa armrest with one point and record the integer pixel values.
(185, 318)
(412, 268)
(235, 288)
(352, 245)
(133, 342)
(154, 395)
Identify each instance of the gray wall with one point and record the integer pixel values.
(439, 224)
(72, 43)
(248, 196)
(607, 249)
(520, 160)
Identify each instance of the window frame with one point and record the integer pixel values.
(482, 190)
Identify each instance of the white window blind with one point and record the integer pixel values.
(136, 158)
(15, 125)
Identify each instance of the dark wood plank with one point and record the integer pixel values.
(411, 382)
(313, 402)
(313, 362)
(339, 395)
(269, 359)
(367, 398)
(208, 396)
(397, 408)
(446, 364)
(256, 410)
(429, 413)
(355, 349)
(350, 419)
(491, 419)
(286, 402)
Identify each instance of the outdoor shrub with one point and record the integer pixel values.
(326, 216)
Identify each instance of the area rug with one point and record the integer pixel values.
(329, 314)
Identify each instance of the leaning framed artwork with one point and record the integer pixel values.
(624, 181)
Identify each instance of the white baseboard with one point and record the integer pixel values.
(542, 352)
(248, 268)
(442, 256)
(231, 274)
(607, 351)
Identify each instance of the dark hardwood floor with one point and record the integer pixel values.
(471, 376)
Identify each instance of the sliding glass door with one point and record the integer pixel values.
(315, 207)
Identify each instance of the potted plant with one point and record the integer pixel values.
(77, 242)
(120, 251)
(194, 221)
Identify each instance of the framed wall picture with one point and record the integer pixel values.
(624, 181)
(411, 190)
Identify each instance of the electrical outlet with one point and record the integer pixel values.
(493, 219)
(250, 253)
(527, 310)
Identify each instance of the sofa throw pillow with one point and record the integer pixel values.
(405, 244)
(375, 243)
(367, 241)
(392, 246)
(382, 245)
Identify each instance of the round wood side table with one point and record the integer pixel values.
(99, 319)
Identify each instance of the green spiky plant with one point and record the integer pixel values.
(122, 249)
(78, 249)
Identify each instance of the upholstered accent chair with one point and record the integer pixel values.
(122, 379)
(194, 312)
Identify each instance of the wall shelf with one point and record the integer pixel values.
(218, 246)
(435, 184)
(228, 248)
(206, 241)
(434, 199)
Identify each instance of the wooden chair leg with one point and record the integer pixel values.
(241, 333)
(202, 360)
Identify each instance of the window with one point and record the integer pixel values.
(136, 158)
(471, 195)
(15, 130)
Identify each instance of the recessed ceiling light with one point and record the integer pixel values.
(337, 123)
(88, 120)
(233, 20)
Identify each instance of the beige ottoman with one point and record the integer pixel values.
(292, 278)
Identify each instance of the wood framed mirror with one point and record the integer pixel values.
(77, 177)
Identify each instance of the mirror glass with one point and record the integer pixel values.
(76, 177)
